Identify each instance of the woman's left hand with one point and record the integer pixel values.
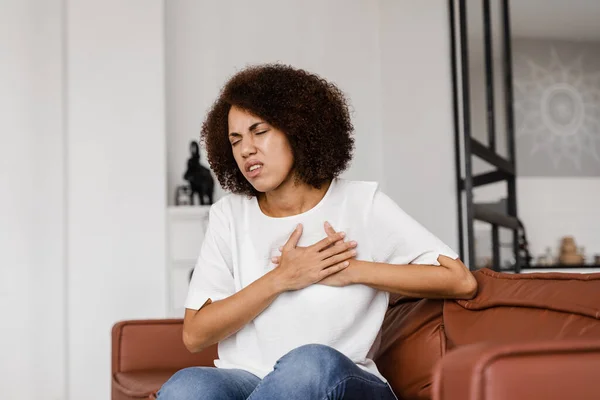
(339, 279)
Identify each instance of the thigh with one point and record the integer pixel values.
(359, 386)
(320, 372)
(208, 383)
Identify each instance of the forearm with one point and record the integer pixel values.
(217, 321)
(451, 279)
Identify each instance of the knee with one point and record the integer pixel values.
(314, 359)
(185, 384)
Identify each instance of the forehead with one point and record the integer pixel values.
(239, 119)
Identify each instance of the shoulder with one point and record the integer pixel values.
(366, 194)
(355, 188)
(230, 207)
(369, 196)
(230, 202)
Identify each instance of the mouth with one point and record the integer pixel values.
(254, 170)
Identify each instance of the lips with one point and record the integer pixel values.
(258, 166)
(250, 164)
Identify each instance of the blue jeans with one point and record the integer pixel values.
(309, 372)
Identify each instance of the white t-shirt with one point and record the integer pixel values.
(240, 241)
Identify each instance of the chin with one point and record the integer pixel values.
(262, 187)
(265, 185)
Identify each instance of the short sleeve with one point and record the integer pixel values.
(213, 276)
(397, 238)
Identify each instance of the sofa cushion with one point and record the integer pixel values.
(139, 384)
(539, 306)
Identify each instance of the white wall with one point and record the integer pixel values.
(571, 20)
(209, 41)
(116, 179)
(418, 133)
(32, 300)
(552, 208)
(555, 207)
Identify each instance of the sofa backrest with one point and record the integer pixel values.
(412, 342)
(525, 307)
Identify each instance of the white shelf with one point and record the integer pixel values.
(187, 210)
(186, 226)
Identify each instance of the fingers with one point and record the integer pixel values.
(294, 238)
(275, 259)
(334, 269)
(328, 241)
(330, 232)
(329, 229)
(338, 248)
(339, 257)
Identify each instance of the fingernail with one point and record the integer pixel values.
(281, 248)
(327, 224)
(342, 234)
(353, 243)
(346, 263)
(353, 252)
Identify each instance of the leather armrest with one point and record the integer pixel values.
(154, 345)
(561, 369)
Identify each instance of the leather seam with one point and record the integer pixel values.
(120, 347)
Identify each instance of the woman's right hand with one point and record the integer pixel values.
(299, 267)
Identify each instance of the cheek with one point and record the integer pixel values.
(285, 152)
(238, 159)
(284, 157)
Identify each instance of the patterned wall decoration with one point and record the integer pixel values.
(557, 107)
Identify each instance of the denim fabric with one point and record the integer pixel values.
(310, 372)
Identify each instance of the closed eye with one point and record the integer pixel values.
(257, 133)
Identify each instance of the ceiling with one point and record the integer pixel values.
(556, 19)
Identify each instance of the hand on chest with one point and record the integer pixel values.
(258, 246)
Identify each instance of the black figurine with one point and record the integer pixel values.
(199, 178)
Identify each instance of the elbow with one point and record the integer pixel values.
(464, 283)
(193, 342)
(467, 287)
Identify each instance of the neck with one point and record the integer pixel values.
(289, 199)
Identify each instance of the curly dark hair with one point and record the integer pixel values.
(312, 112)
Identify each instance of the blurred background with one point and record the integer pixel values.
(100, 100)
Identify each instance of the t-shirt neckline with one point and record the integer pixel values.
(307, 212)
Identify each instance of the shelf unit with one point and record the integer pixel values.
(468, 147)
(186, 226)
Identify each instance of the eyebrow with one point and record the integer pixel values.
(252, 127)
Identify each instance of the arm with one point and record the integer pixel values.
(216, 321)
(451, 279)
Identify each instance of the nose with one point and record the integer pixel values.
(248, 147)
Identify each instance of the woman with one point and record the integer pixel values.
(295, 271)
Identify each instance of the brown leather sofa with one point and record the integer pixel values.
(528, 336)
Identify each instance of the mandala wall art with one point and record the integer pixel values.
(557, 107)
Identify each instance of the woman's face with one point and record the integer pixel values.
(262, 152)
